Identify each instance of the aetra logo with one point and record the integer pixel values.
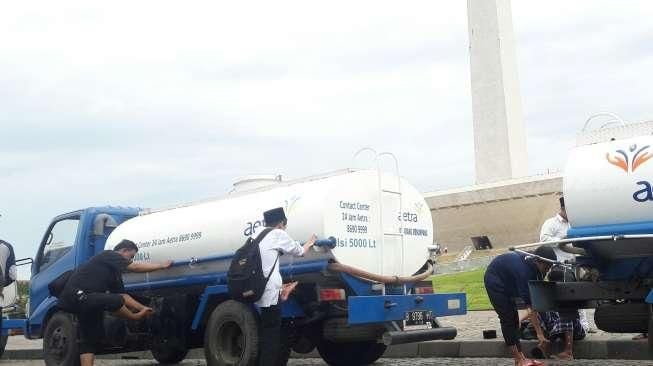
(622, 159)
(407, 216)
(645, 193)
(252, 226)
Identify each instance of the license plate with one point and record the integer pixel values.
(419, 319)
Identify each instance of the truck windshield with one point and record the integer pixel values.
(59, 241)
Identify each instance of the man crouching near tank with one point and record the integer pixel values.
(96, 287)
(274, 244)
(506, 278)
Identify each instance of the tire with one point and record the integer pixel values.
(231, 336)
(169, 353)
(623, 318)
(352, 353)
(60, 341)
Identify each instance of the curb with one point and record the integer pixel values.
(603, 349)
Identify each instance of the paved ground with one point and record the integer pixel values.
(383, 362)
(470, 327)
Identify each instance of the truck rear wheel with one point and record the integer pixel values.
(623, 318)
(351, 353)
(60, 341)
(231, 336)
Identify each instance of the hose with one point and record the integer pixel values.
(339, 267)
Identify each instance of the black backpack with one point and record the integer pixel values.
(245, 278)
(9, 266)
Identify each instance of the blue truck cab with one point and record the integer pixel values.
(69, 241)
(350, 321)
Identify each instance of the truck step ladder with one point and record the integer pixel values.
(390, 203)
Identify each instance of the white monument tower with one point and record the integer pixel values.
(499, 137)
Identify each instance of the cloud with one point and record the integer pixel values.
(150, 104)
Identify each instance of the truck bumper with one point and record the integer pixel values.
(9, 324)
(412, 336)
(560, 296)
(380, 309)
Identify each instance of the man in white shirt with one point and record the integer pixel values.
(556, 228)
(275, 243)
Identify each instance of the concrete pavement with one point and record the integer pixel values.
(468, 343)
(382, 362)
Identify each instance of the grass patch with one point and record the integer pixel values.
(469, 282)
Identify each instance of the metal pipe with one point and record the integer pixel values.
(614, 117)
(547, 260)
(400, 337)
(568, 240)
(582, 239)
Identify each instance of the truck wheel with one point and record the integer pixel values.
(623, 318)
(351, 353)
(168, 353)
(231, 336)
(60, 341)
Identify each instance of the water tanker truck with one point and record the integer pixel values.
(609, 202)
(359, 290)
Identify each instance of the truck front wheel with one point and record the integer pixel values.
(231, 336)
(351, 353)
(60, 341)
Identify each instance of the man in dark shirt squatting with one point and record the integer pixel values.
(506, 278)
(96, 287)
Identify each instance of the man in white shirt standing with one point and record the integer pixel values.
(556, 228)
(274, 244)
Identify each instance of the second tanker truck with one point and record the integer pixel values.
(609, 204)
(354, 298)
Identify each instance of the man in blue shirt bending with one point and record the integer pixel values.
(506, 278)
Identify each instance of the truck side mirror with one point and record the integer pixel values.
(102, 222)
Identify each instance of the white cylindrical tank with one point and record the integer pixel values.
(379, 231)
(610, 183)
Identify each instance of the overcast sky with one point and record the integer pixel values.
(150, 104)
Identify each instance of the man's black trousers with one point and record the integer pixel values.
(269, 334)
